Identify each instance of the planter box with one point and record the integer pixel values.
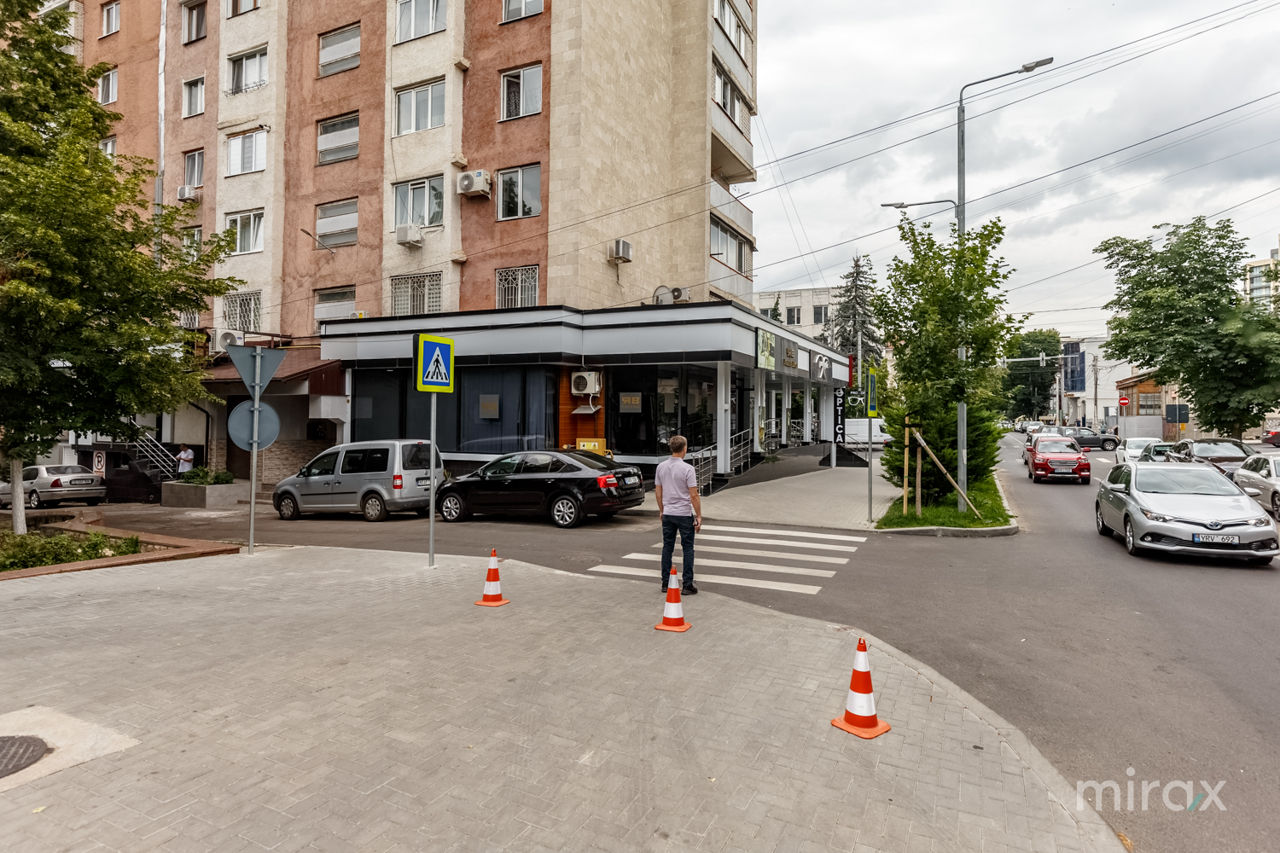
(190, 495)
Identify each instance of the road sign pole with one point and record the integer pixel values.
(253, 442)
(431, 510)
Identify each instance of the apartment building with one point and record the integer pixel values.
(805, 309)
(1257, 285)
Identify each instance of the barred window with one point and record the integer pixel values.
(242, 311)
(1149, 404)
(416, 294)
(517, 287)
(189, 319)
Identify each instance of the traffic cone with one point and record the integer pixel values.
(860, 708)
(493, 585)
(673, 610)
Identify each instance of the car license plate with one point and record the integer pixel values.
(1216, 538)
(630, 481)
(82, 482)
(424, 481)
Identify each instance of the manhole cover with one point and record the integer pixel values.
(20, 751)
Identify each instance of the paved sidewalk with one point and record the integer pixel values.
(332, 699)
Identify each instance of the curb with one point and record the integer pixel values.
(1009, 529)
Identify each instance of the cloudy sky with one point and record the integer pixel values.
(1123, 72)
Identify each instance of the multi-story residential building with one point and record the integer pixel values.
(426, 160)
(1259, 284)
(1086, 392)
(805, 309)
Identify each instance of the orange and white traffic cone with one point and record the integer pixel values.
(860, 708)
(493, 585)
(672, 609)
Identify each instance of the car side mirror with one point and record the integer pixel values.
(303, 472)
(1252, 492)
(1118, 487)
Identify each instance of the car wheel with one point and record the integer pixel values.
(34, 502)
(374, 508)
(1275, 504)
(565, 512)
(288, 508)
(453, 507)
(1108, 445)
(1103, 530)
(1130, 541)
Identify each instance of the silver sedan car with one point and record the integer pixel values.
(1262, 474)
(1184, 509)
(1129, 449)
(46, 485)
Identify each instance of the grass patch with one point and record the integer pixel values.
(33, 549)
(983, 494)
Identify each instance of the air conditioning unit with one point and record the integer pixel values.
(220, 339)
(680, 294)
(474, 183)
(585, 382)
(187, 192)
(357, 315)
(409, 235)
(620, 252)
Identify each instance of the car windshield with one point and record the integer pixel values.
(1220, 449)
(1057, 447)
(67, 469)
(1160, 449)
(1184, 480)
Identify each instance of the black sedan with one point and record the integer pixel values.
(1091, 439)
(563, 484)
(1224, 454)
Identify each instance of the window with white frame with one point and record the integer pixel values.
(420, 107)
(338, 138)
(419, 17)
(420, 202)
(513, 9)
(110, 18)
(340, 50)
(522, 92)
(820, 315)
(239, 7)
(242, 311)
(108, 146)
(728, 247)
(520, 192)
(732, 25)
(793, 316)
(193, 168)
(107, 87)
(249, 70)
(192, 239)
(730, 99)
(517, 287)
(247, 152)
(247, 225)
(335, 303)
(193, 23)
(416, 294)
(337, 223)
(193, 97)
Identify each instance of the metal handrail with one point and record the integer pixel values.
(157, 454)
(704, 465)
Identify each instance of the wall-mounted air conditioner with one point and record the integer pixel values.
(473, 183)
(409, 235)
(620, 252)
(680, 294)
(187, 192)
(585, 382)
(220, 339)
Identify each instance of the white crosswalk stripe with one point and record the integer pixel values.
(805, 589)
(750, 567)
(792, 543)
(830, 537)
(771, 555)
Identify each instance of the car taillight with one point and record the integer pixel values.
(57, 484)
(397, 482)
(607, 481)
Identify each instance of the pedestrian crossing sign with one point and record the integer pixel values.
(433, 363)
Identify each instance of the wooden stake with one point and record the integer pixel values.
(919, 466)
(906, 461)
(946, 474)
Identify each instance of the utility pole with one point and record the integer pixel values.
(1096, 422)
(1062, 376)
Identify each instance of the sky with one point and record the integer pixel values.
(1123, 72)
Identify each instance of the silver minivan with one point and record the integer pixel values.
(370, 477)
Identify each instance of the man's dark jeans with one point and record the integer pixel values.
(684, 524)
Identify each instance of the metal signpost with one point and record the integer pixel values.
(432, 372)
(873, 411)
(253, 425)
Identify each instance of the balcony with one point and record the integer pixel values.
(732, 211)
(731, 153)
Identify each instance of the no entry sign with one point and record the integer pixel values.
(1124, 401)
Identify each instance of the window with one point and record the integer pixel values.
(110, 18)
(193, 97)
(513, 9)
(793, 316)
(339, 138)
(248, 227)
(322, 466)
(420, 108)
(820, 315)
(729, 248)
(189, 320)
(520, 192)
(1149, 404)
(371, 461)
(517, 287)
(340, 50)
(193, 168)
(333, 295)
(336, 223)
(242, 311)
(239, 7)
(732, 25)
(419, 17)
(108, 146)
(193, 21)
(192, 238)
(420, 202)
(249, 70)
(335, 303)
(730, 99)
(247, 152)
(107, 87)
(522, 92)
(416, 294)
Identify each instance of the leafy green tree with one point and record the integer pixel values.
(1178, 310)
(940, 297)
(775, 313)
(1026, 383)
(92, 279)
(853, 313)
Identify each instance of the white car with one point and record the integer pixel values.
(1129, 449)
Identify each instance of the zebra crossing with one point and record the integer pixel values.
(792, 554)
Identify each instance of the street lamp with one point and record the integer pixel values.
(903, 205)
(962, 410)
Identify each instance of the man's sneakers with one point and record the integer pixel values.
(690, 589)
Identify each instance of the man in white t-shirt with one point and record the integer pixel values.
(186, 458)
(676, 491)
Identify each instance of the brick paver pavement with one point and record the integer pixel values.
(331, 699)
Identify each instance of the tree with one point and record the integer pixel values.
(92, 279)
(775, 313)
(853, 313)
(1178, 311)
(940, 297)
(1027, 383)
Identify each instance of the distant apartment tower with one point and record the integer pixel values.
(806, 309)
(1259, 284)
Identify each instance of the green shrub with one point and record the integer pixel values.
(33, 549)
(204, 477)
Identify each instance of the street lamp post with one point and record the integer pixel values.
(962, 410)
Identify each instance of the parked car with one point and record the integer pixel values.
(855, 433)
(1156, 451)
(1057, 457)
(134, 481)
(373, 478)
(48, 485)
(1091, 439)
(1225, 454)
(1271, 437)
(1262, 473)
(1129, 449)
(1186, 509)
(563, 484)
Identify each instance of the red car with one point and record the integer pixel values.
(1271, 437)
(1057, 457)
